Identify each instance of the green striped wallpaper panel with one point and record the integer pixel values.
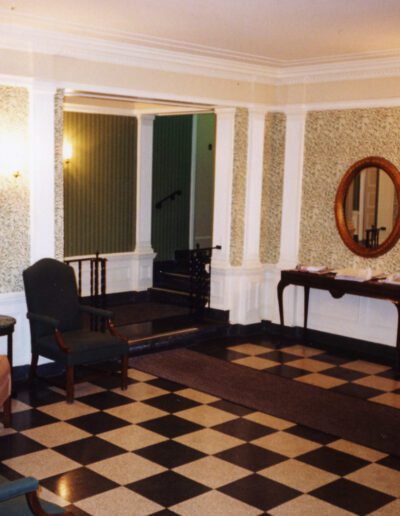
(100, 184)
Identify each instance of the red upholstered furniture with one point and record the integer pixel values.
(5, 389)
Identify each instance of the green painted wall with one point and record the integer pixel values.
(171, 171)
(100, 184)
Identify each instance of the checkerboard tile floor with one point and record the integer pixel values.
(338, 372)
(163, 448)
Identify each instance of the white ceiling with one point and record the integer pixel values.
(276, 32)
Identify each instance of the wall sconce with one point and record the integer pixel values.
(67, 151)
(12, 151)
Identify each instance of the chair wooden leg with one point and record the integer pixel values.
(124, 372)
(34, 362)
(70, 384)
(7, 413)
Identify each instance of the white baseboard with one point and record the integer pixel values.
(237, 289)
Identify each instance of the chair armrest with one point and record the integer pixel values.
(107, 314)
(15, 488)
(45, 319)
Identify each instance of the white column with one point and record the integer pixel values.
(291, 203)
(220, 265)
(247, 301)
(224, 147)
(143, 255)
(254, 180)
(292, 188)
(42, 171)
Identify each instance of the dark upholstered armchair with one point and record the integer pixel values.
(19, 498)
(55, 316)
(5, 389)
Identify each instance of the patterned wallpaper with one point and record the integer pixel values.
(239, 186)
(271, 204)
(14, 192)
(59, 176)
(334, 140)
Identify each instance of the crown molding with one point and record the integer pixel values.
(360, 66)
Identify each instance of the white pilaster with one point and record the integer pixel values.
(292, 188)
(249, 282)
(224, 146)
(143, 256)
(254, 179)
(238, 289)
(224, 143)
(291, 203)
(42, 171)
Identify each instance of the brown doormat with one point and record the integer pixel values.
(363, 422)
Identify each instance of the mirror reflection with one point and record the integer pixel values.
(370, 207)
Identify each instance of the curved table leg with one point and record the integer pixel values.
(306, 299)
(280, 288)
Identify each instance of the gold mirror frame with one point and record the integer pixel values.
(356, 168)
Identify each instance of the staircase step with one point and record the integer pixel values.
(170, 296)
(173, 282)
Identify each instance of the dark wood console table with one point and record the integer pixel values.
(337, 288)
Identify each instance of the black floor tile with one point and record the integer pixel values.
(171, 426)
(168, 488)
(170, 454)
(233, 408)
(336, 359)
(98, 422)
(78, 484)
(251, 457)
(9, 473)
(31, 418)
(311, 434)
(391, 462)
(171, 403)
(286, 371)
(244, 429)
(260, 492)
(162, 383)
(91, 449)
(389, 373)
(15, 445)
(358, 391)
(223, 354)
(333, 461)
(352, 497)
(38, 395)
(110, 381)
(344, 374)
(105, 400)
(279, 356)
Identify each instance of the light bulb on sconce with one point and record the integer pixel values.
(67, 151)
(12, 152)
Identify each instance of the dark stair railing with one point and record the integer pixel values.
(97, 281)
(200, 274)
(170, 197)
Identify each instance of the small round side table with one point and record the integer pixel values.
(7, 325)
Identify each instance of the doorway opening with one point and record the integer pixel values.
(100, 196)
(182, 210)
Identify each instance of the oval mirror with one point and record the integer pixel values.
(367, 207)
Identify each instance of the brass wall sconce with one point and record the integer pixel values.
(67, 152)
